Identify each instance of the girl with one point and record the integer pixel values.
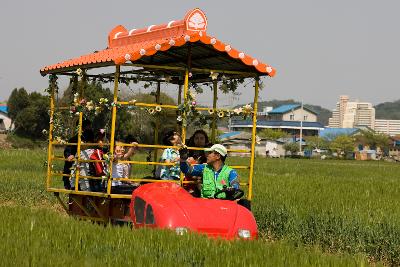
(170, 155)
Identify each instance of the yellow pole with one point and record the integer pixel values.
(178, 128)
(50, 147)
(214, 121)
(185, 91)
(157, 124)
(78, 149)
(253, 139)
(113, 119)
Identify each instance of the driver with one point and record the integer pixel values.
(218, 178)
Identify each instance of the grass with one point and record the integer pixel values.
(309, 212)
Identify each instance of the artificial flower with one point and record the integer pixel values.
(214, 75)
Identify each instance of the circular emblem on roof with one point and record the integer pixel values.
(187, 38)
(142, 52)
(196, 20)
(241, 55)
(171, 42)
(269, 69)
(213, 41)
(127, 57)
(228, 48)
(255, 62)
(157, 47)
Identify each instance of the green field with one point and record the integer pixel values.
(309, 212)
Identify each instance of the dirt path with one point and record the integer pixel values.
(3, 142)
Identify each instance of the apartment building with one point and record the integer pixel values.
(389, 127)
(351, 114)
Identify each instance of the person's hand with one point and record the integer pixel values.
(183, 153)
(135, 145)
(70, 158)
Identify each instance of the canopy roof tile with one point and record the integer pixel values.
(166, 44)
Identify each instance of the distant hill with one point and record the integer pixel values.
(388, 110)
(323, 113)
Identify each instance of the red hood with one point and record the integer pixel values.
(174, 207)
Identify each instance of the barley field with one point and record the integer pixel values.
(309, 213)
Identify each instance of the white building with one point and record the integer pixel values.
(352, 114)
(5, 121)
(389, 127)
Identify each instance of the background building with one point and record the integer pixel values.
(291, 119)
(5, 121)
(349, 114)
(389, 127)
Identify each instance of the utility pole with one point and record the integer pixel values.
(301, 127)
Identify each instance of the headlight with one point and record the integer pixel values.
(244, 233)
(181, 230)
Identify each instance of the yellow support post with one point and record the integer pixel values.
(50, 147)
(185, 92)
(78, 149)
(253, 138)
(214, 121)
(157, 124)
(113, 119)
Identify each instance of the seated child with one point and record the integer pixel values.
(170, 155)
(119, 169)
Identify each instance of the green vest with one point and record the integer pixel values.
(211, 186)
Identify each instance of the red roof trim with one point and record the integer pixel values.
(131, 45)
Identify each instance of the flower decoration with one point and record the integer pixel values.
(221, 114)
(210, 111)
(214, 75)
(247, 108)
(90, 105)
(79, 72)
(60, 140)
(179, 118)
(151, 111)
(158, 108)
(238, 111)
(97, 110)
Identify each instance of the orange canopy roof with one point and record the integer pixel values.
(161, 43)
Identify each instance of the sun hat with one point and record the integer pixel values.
(217, 148)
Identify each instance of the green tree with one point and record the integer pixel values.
(316, 142)
(17, 101)
(31, 120)
(342, 145)
(372, 139)
(293, 148)
(272, 134)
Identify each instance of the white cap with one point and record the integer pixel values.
(217, 148)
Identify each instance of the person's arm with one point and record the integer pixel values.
(196, 170)
(131, 151)
(234, 179)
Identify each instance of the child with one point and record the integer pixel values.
(121, 170)
(170, 155)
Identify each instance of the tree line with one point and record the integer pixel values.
(30, 114)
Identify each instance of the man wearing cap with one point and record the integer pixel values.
(217, 177)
